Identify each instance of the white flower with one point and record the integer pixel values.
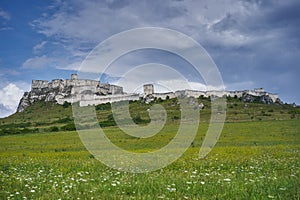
(171, 189)
(227, 179)
(32, 191)
(202, 182)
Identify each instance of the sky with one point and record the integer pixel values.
(253, 43)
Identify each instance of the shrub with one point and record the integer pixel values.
(66, 104)
(69, 127)
(53, 129)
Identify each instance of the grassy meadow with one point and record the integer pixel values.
(256, 157)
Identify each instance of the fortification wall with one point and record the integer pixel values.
(216, 93)
(56, 83)
(238, 94)
(83, 82)
(115, 89)
(108, 99)
(195, 93)
(76, 90)
(274, 97)
(92, 92)
(148, 89)
(39, 84)
(164, 95)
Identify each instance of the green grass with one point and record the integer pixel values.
(256, 157)
(252, 160)
(48, 117)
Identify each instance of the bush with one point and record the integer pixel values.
(106, 106)
(69, 127)
(107, 123)
(66, 104)
(53, 129)
(137, 119)
(175, 118)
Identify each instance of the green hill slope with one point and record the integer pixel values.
(50, 117)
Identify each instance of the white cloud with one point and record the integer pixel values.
(39, 47)
(5, 15)
(94, 21)
(38, 62)
(165, 79)
(97, 20)
(240, 35)
(10, 96)
(243, 85)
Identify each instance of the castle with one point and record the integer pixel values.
(257, 92)
(92, 92)
(84, 91)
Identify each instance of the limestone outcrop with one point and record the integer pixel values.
(69, 90)
(92, 92)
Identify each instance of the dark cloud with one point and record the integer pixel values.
(253, 42)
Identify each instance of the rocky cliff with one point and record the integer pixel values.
(69, 90)
(266, 99)
(91, 92)
(43, 94)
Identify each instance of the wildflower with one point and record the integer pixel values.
(202, 182)
(114, 185)
(171, 189)
(32, 191)
(227, 179)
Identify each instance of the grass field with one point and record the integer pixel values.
(256, 157)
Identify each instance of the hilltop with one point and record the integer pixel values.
(48, 106)
(91, 92)
(44, 116)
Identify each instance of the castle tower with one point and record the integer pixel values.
(74, 77)
(148, 89)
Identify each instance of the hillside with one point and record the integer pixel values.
(256, 156)
(50, 117)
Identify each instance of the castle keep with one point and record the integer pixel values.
(92, 92)
(86, 92)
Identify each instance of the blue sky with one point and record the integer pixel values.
(253, 43)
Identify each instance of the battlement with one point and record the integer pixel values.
(39, 84)
(92, 92)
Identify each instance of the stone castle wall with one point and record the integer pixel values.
(92, 92)
(39, 84)
(96, 100)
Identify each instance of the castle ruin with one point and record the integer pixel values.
(92, 92)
